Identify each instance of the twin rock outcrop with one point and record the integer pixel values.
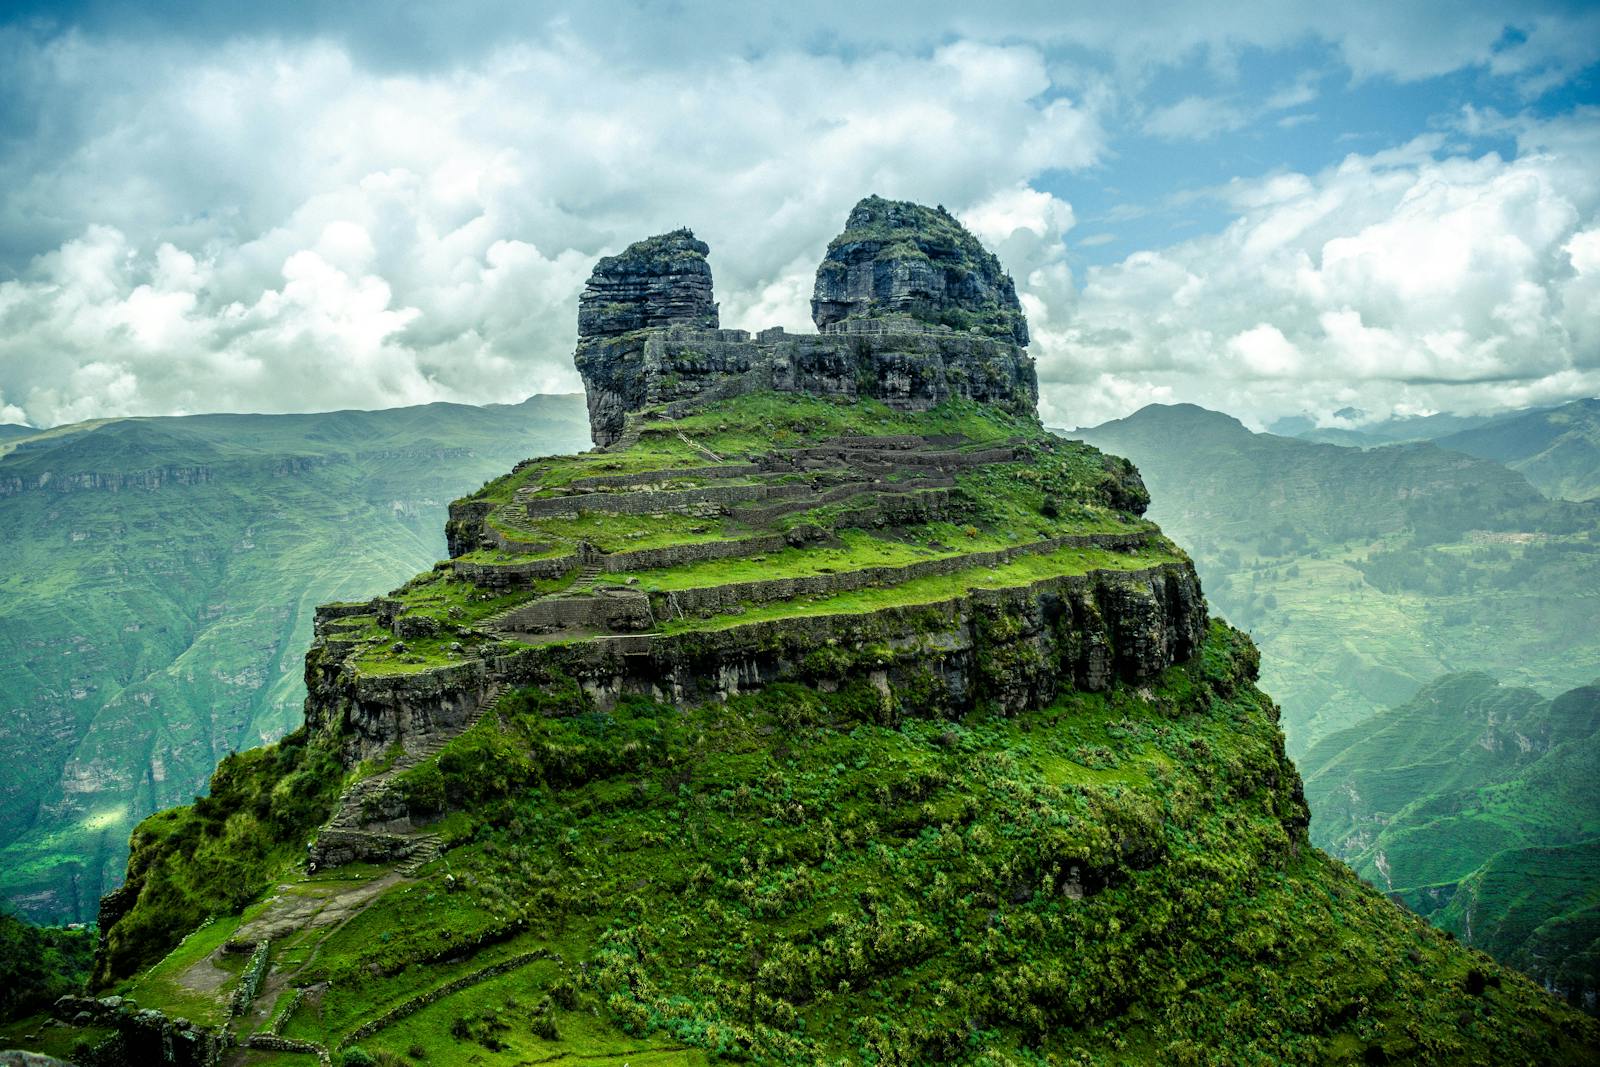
(666, 564)
(911, 310)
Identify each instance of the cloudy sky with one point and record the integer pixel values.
(1270, 208)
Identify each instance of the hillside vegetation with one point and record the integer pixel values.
(1367, 573)
(1558, 450)
(830, 868)
(157, 582)
(1477, 805)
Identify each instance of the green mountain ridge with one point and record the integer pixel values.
(1365, 573)
(1558, 449)
(158, 581)
(1477, 805)
(832, 712)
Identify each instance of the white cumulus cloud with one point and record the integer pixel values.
(274, 227)
(1399, 281)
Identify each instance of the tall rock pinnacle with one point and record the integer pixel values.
(897, 257)
(660, 281)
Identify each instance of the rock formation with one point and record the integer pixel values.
(914, 312)
(899, 257)
(834, 685)
(661, 281)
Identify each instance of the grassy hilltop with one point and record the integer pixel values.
(837, 867)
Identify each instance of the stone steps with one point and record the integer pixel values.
(344, 837)
(425, 850)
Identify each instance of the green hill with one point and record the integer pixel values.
(1365, 573)
(1557, 449)
(1478, 806)
(834, 712)
(157, 581)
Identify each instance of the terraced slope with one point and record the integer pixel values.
(821, 718)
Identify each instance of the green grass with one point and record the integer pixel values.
(936, 589)
(803, 876)
(162, 987)
(623, 533)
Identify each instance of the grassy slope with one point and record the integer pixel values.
(1558, 449)
(1477, 805)
(145, 633)
(1365, 574)
(807, 876)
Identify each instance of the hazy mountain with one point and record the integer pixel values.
(157, 578)
(1477, 804)
(1557, 449)
(1365, 573)
(1397, 430)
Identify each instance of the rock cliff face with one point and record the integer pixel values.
(660, 281)
(914, 312)
(899, 257)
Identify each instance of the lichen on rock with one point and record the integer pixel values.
(660, 281)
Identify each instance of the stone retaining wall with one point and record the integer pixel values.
(517, 575)
(707, 500)
(335, 848)
(935, 501)
(714, 600)
(416, 1004)
(605, 612)
(725, 470)
(680, 369)
(1010, 648)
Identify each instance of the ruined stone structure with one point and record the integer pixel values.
(913, 312)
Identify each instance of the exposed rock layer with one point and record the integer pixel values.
(1012, 648)
(914, 311)
(898, 257)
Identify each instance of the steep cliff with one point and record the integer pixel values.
(917, 313)
(896, 257)
(808, 722)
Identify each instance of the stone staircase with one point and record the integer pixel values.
(698, 447)
(424, 850)
(345, 838)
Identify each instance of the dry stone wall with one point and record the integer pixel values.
(1008, 647)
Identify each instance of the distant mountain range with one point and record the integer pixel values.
(1477, 805)
(1557, 449)
(157, 578)
(1366, 573)
(1392, 431)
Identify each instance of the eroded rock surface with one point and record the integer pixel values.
(660, 281)
(914, 311)
(896, 257)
